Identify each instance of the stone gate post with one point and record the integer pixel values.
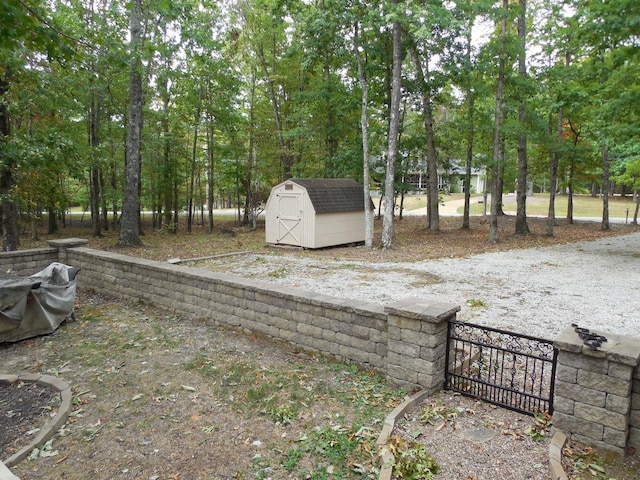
(417, 342)
(594, 389)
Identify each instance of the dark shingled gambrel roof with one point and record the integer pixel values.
(330, 195)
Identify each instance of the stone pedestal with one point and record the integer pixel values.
(417, 342)
(63, 244)
(593, 393)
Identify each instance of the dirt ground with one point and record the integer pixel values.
(159, 397)
(412, 240)
(25, 408)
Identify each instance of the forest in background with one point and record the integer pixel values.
(191, 105)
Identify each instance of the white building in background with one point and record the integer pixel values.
(450, 180)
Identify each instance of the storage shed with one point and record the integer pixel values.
(315, 213)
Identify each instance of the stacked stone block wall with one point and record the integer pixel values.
(417, 342)
(593, 400)
(634, 420)
(27, 262)
(344, 329)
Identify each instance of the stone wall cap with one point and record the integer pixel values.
(67, 242)
(423, 309)
(618, 348)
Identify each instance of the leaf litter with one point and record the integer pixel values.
(156, 396)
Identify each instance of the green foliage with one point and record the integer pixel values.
(412, 461)
(236, 98)
(585, 463)
(28, 25)
(441, 413)
(476, 303)
(540, 428)
(292, 457)
(331, 446)
(279, 273)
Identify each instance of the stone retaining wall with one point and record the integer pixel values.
(346, 330)
(27, 262)
(597, 396)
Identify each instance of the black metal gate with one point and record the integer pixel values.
(504, 368)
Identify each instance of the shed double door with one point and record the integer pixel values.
(290, 218)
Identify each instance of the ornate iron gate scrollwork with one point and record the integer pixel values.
(504, 368)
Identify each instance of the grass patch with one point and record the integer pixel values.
(335, 442)
(477, 303)
(581, 462)
(583, 206)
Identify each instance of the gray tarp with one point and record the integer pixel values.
(36, 305)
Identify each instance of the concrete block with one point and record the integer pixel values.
(582, 362)
(406, 349)
(600, 416)
(615, 437)
(570, 424)
(580, 393)
(563, 405)
(6, 474)
(404, 323)
(604, 383)
(566, 373)
(401, 375)
(618, 404)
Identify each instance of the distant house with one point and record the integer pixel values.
(315, 213)
(455, 175)
(450, 179)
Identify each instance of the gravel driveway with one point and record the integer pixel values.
(538, 291)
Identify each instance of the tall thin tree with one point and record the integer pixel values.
(433, 216)
(364, 125)
(392, 140)
(496, 171)
(130, 224)
(522, 228)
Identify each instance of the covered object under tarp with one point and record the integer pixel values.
(36, 305)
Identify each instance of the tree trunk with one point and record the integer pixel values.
(130, 225)
(496, 192)
(330, 137)
(104, 211)
(572, 168)
(394, 126)
(52, 221)
(210, 170)
(166, 182)
(114, 187)
(249, 201)
(192, 173)
(284, 157)
(469, 161)
(470, 100)
(10, 239)
(605, 189)
(433, 200)
(94, 173)
(364, 124)
(554, 160)
(522, 228)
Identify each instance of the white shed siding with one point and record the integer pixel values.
(338, 228)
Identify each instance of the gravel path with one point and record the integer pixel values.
(539, 291)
